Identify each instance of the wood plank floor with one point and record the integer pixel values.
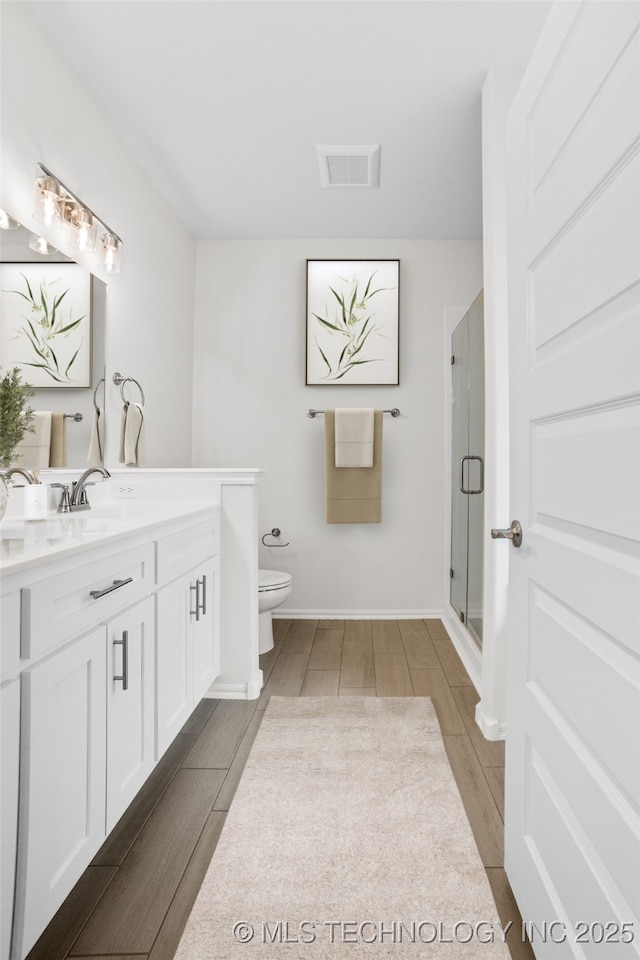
(134, 899)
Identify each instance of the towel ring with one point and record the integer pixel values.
(119, 379)
(274, 533)
(95, 392)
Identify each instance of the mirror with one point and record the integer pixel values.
(76, 402)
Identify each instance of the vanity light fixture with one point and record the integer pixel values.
(55, 205)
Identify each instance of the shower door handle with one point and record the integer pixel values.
(514, 533)
(463, 489)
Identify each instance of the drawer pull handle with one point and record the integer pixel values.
(96, 594)
(124, 643)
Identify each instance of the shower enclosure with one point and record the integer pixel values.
(467, 497)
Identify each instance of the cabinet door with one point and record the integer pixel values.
(130, 706)
(174, 660)
(62, 779)
(206, 641)
(10, 729)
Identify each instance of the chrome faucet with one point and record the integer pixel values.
(78, 499)
(29, 477)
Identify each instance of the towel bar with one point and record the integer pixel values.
(73, 416)
(394, 412)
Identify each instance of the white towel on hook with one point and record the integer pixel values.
(95, 455)
(354, 437)
(132, 445)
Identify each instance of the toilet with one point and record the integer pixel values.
(274, 587)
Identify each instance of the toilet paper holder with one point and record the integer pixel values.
(275, 532)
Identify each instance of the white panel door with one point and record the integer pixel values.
(62, 780)
(174, 659)
(573, 748)
(130, 706)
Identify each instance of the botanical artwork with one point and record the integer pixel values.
(45, 323)
(352, 321)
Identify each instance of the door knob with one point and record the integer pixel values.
(514, 533)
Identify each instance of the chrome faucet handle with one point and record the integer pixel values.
(65, 504)
(84, 501)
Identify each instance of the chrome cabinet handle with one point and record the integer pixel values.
(196, 613)
(124, 643)
(514, 533)
(96, 594)
(463, 489)
(203, 606)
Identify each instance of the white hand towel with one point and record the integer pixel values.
(132, 447)
(33, 451)
(96, 445)
(354, 437)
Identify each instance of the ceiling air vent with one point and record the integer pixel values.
(349, 166)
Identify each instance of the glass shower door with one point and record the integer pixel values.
(467, 500)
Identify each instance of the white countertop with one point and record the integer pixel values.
(27, 543)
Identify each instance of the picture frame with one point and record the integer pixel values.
(45, 323)
(352, 322)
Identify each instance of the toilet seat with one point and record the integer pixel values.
(269, 580)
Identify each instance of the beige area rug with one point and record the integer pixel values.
(347, 837)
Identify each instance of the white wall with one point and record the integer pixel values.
(48, 117)
(250, 410)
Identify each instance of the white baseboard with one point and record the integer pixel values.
(466, 647)
(491, 728)
(282, 613)
(233, 691)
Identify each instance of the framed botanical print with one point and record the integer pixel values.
(45, 323)
(352, 322)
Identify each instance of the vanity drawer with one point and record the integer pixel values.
(179, 552)
(59, 608)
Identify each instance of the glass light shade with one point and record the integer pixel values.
(40, 245)
(46, 208)
(110, 252)
(82, 229)
(7, 222)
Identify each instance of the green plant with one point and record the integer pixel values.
(352, 324)
(16, 418)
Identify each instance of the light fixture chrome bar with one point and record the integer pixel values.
(80, 202)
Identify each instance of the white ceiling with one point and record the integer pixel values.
(224, 101)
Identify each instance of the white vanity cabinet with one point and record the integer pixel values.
(10, 753)
(96, 644)
(188, 645)
(88, 736)
(86, 741)
(10, 746)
